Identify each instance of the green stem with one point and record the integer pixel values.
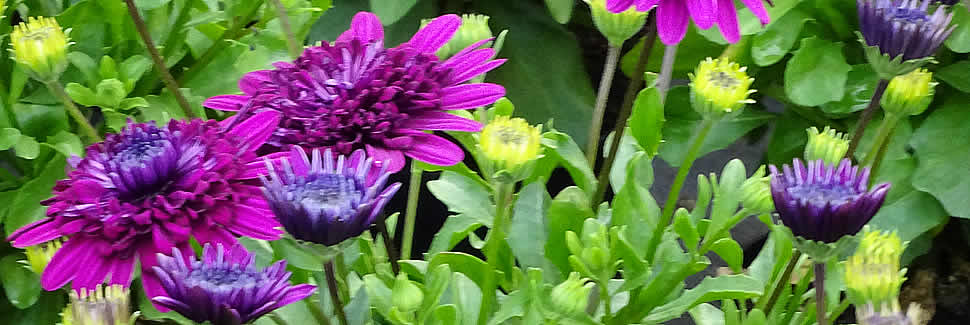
(881, 142)
(160, 67)
(291, 42)
(631, 94)
(388, 244)
(606, 82)
(316, 312)
(784, 280)
(820, 293)
(866, 117)
(338, 307)
(411, 210)
(58, 91)
(605, 297)
(235, 31)
(493, 244)
(671, 205)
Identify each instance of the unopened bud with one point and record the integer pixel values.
(40, 45)
(909, 94)
(571, 296)
(829, 146)
(617, 27)
(719, 87)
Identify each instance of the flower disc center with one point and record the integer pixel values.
(824, 193)
(143, 163)
(326, 192)
(223, 277)
(723, 79)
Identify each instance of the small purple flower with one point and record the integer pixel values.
(674, 15)
(354, 94)
(224, 288)
(326, 200)
(904, 27)
(823, 202)
(148, 190)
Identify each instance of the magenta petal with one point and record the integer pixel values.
(121, 271)
(213, 235)
(230, 103)
(727, 20)
(255, 223)
(618, 6)
(672, 21)
(251, 83)
(40, 231)
(365, 27)
(438, 32)
(462, 61)
(440, 121)
(95, 270)
(297, 293)
(256, 129)
(64, 265)
(646, 5)
(758, 9)
(470, 95)
(394, 159)
(434, 150)
(257, 168)
(702, 11)
(476, 71)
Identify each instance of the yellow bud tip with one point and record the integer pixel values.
(719, 86)
(828, 145)
(909, 94)
(41, 45)
(510, 142)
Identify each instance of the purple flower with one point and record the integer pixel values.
(904, 27)
(354, 94)
(148, 190)
(673, 15)
(825, 202)
(224, 288)
(325, 200)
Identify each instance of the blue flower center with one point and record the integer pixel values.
(143, 163)
(821, 194)
(333, 194)
(913, 16)
(223, 277)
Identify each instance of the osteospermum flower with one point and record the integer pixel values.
(718, 87)
(147, 190)
(897, 31)
(327, 199)
(824, 203)
(354, 94)
(224, 288)
(673, 16)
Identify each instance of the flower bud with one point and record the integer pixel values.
(756, 193)
(510, 142)
(872, 275)
(909, 94)
(828, 145)
(571, 296)
(101, 306)
(719, 87)
(39, 255)
(474, 28)
(617, 27)
(40, 45)
(406, 296)
(591, 254)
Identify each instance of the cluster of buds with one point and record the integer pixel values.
(829, 146)
(591, 253)
(873, 279)
(406, 298)
(719, 87)
(617, 27)
(510, 143)
(40, 45)
(909, 94)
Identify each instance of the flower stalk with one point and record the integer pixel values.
(411, 210)
(338, 306)
(666, 71)
(881, 143)
(494, 242)
(866, 116)
(160, 67)
(291, 43)
(58, 91)
(606, 82)
(388, 244)
(820, 293)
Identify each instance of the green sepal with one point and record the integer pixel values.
(888, 68)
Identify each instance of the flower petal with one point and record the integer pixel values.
(230, 103)
(434, 150)
(758, 9)
(672, 21)
(727, 21)
(255, 223)
(703, 12)
(440, 121)
(470, 95)
(438, 32)
(618, 6)
(365, 27)
(64, 264)
(256, 129)
(257, 168)
(394, 159)
(646, 5)
(40, 231)
(252, 82)
(297, 293)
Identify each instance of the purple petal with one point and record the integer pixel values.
(297, 293)
(646, 5)
(758, 9)
(64, 265)
(618, 6)
(470, 95)
(256, 129)
(230, 103)
(255, 223)
(257, 168)
(672, 21)
(251, 83)
(365, 27)
(434, 150)
(440, 121)
(727, 21)
(394, 159)
(438, 32)
(40, 231)
(121, 271)
(702, 11)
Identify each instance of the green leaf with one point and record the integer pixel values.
(956, 75)
(686, 230)
(66, 143)
(468, 295)
(463, 195)
(455, 229)
(731, 252)
(459, 168)
(635, 207)
(706, 314)
(788, 139)
(113, 120)
(298, 256)
(567, 93)
(165, 108)
(358, 309)
(817, 73)
(27, 148)
(942, 170)
(131, 103)
(774, 43)
(111, 92)
(561, 10)
(390, 11)
(527, 231)
(627, 152)
(710, 289)
(475, 269)
(86, 65)
(566, 212)
(682, 123)
(133, 68)
(959, 41)
(8, 137)
(21, 285)
(46, 310)
(858, 91)
(41, 121)
(562, 147)
(647, 120)
(82, 95)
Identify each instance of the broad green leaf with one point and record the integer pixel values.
(82, 95)
(959, 41)
(463, 195)
(730, 251)
(566, 212)
(27, 148)
(358, 308)
(299, 256)
(9, 137)
(774, 43)
(41, 121)
(956, 75)
(944, 166)
(67, 144)
(111, 92)
(390, 11)
(627, 152)
(561, 146)
(710, 289)
(21, 285)
(455, 229)
(26, 207)
(561, 10)
(706, 314)
(165, 108)
(377, 292)
(459, 168)
(858, 91)
(647, 120)
(527, 230)
(635, 207)
(686, 230)
(86, 65)
(46, 310)
(788, 139)
(817, 73)
(474, 268)
(468, 296)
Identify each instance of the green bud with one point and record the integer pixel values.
(719, 87)
(39, 255)
(873, 275)
(40, 45)
(406, 296)
(616, 27)
(829, 146)
(756, 193)
(909, 94)
(571, 296)
(473, 28)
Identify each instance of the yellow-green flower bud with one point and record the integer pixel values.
(406, 296)
(719, 87)
(571, 296)
(510, 142)
(616, 27)
(756, 193)
(101, 306)
(872, 275)
(39, 255)
(41, 46)
(909, 94)
(829, 146)
(473, 29)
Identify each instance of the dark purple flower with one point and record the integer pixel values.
(326, 200)
(825, 202)
(354, 94)
(904, 27)
(149, 189)
(224, 288)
